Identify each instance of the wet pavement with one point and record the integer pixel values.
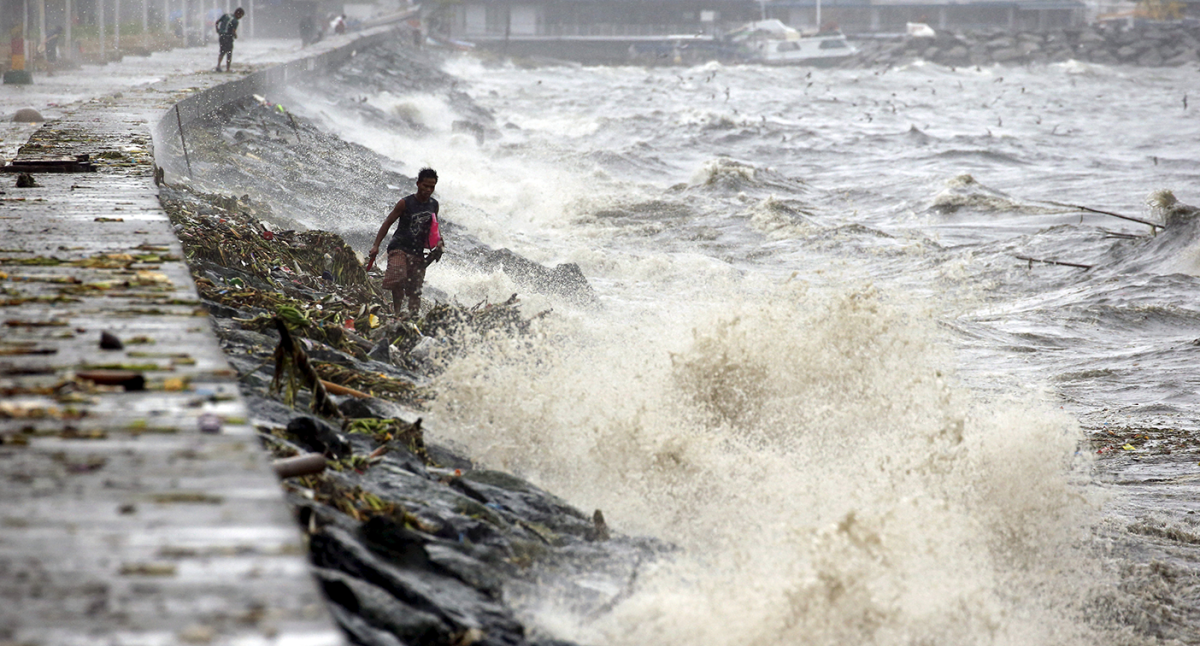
(137, 506)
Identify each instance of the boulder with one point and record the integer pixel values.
(510, 493)
(957, 54)
(1187, 56)
(565, 280)
(1005, 55)
(453, 602)
(319, 437)
(1151, 58)
(27, 115)
(379, 609)
(375, 408)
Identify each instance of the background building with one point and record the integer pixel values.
(513, 20)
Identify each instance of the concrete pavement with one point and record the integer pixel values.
(136, 506)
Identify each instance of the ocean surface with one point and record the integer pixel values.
(822, 363)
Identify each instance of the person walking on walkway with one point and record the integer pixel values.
(418, 231)
(227, 31)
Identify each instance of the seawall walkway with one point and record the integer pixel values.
(136, 506)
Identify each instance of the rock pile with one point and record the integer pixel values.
(1146, 45)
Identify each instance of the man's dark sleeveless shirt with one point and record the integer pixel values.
(406, 239)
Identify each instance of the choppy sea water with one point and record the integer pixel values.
(821, 364)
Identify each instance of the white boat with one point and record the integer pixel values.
(772, 42)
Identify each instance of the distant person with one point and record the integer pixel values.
(227, 26)
(52, 44)
(338, 24)
(309, 33)
(418, 231)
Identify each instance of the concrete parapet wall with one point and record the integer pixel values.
(211, 100)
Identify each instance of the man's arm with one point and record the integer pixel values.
(397, 211)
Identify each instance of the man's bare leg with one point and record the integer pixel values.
(398, 301)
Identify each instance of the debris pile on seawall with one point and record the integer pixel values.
(1145, 45)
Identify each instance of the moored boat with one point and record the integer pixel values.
(772, 42)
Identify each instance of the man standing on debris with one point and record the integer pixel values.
(227, 31)
(418, 231)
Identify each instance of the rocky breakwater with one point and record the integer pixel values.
(1147, 45)
(411, 542)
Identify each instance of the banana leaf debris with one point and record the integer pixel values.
(411, 542)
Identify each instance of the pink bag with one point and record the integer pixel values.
(434, 236)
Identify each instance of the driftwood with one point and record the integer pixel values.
(290, 358)
(1154, 226)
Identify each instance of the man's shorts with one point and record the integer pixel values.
(405, 271)
(226, 44)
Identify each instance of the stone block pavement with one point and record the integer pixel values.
(136, 506)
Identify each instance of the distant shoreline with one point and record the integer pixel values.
(1145, 45)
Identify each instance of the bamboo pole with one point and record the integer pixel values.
(338, 389)
(183, 141)
(300, 465)
(1053, 262)
(1154, 226)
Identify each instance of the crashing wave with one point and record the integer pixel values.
(730, 175)
(781, 219)
(964, 192)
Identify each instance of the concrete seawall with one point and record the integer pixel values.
(326, 56)
(138, 507)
